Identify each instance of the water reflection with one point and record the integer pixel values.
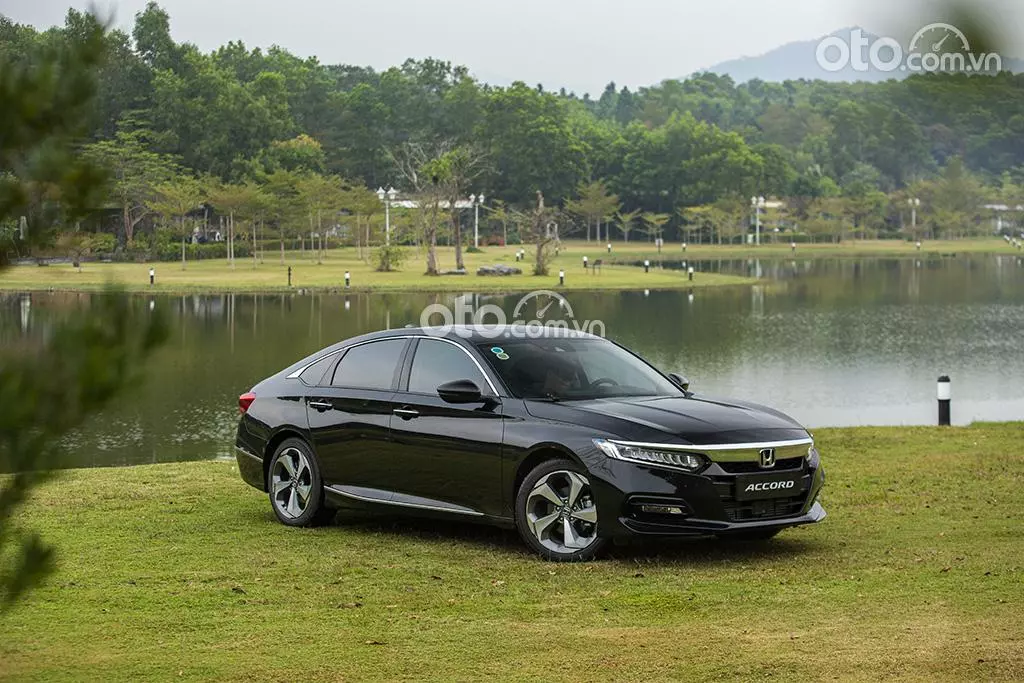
(831, 342)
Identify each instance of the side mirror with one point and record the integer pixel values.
(460, 391)
(679, 381)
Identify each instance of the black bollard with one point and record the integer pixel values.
(561, 278)
(609, 247)
(584, 263)
(647, 266)
(152, 277)
(792, 245)
(289, 276)
(348, 279)
(690, 273)
(945, 396)
(684, 247)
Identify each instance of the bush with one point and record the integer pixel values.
(387, 259)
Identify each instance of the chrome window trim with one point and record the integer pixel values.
(732, 452)
(494, 390)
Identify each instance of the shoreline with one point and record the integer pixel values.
(623, 270)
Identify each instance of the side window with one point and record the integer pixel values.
(370, 366)
(436, 363)
(315, 372)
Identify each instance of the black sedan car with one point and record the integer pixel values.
(570, 438)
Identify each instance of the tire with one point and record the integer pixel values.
(295, 487)
(554, 499)
(752, 535)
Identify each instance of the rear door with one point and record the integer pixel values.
(349, 413)
(447, 452)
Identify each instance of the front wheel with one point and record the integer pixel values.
(556, 514)
(296, 489)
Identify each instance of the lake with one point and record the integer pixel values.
(832, 342)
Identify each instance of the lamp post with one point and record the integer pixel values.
(476, 201)
(758, 203)
(387, 197)
(914, 204)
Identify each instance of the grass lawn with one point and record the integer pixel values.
(215, 275)
(180, 572)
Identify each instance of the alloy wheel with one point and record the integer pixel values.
(291, 483)
(561, 512)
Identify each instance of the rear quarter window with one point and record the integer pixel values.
(314, 374)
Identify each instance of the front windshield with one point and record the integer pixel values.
(573, 369)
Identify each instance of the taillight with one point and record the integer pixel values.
(244, 401)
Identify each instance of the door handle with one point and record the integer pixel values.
(320, 405)
(406, 413)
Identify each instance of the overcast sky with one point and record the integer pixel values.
(578, 44)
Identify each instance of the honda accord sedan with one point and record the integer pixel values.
(571, 439)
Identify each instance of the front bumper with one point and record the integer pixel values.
(709, 500)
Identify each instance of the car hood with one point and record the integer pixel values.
(695, 420)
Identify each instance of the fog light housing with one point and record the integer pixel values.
(662, 509)
(680, 460)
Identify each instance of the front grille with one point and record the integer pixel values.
(757, 510)
(754, 510)
(753, 467)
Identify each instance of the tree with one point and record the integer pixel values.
(283, 204)
(539, 222)
(626, 222)
(454, 171)
(174, 200)
(654, 225)
(421, 166)
(136, 172)
(594, 203)
(320, 196)
(87, 359)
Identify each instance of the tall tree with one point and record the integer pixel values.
(47, 93)
(174, 200)
(626, 222)
(136, 172)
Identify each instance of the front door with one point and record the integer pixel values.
(447, 452)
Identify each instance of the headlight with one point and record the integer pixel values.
(812, 454)
(683, 461)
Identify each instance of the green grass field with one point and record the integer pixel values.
(180, 572)
(215, 275)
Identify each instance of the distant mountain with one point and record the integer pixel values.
(795, 61)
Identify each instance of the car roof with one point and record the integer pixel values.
(482, 333)
(466, 334)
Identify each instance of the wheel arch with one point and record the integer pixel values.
(279, 437)
(539, 454)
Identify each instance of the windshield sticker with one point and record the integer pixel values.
(502, 356)
(496, 350)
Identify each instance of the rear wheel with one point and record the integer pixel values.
(296, 489)
(556, 514)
